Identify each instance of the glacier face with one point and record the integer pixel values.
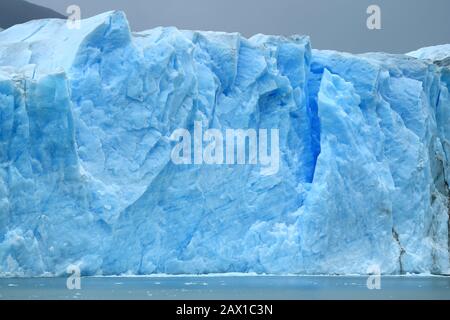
(86, 176)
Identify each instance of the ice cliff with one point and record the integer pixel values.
(86, 176)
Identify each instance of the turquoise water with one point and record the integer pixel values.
(227, 287)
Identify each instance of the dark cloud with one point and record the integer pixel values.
(332, 24)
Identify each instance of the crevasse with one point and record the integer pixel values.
(86, 176)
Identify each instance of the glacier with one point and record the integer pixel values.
(86, 176)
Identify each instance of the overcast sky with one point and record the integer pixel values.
(332, 24)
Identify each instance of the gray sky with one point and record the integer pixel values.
(332, 24)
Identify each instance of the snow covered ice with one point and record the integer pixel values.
(86, 176)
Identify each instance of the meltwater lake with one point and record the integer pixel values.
(227, 288)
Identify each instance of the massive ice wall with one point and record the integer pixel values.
(86, 175)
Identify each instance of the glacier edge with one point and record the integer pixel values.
(86, 176)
